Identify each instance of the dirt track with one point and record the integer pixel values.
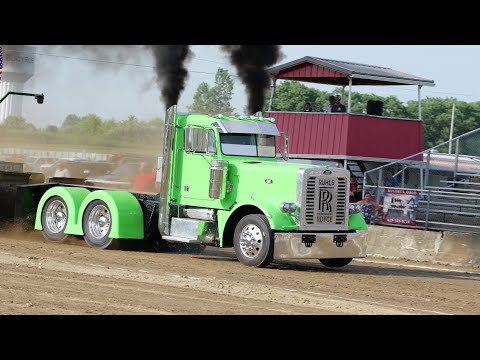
(40, 277)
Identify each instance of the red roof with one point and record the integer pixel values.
(336, 72)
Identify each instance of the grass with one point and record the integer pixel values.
(79, 144)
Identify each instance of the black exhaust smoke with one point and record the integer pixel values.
(171, 71)
(251, 62)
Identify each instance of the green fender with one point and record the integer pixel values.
(73, 197)
(277, 219)
(357, 222)
(125, 211)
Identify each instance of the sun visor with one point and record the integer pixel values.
(246, 127)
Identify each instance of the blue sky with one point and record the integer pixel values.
(116, 91)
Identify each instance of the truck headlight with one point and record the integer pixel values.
(354, 208)
(288, 207)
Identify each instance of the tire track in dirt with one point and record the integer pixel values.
(315, 302)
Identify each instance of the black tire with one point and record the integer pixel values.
(54, 219)
(253, 241)
(336, 263)
(97, 225)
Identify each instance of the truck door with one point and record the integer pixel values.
(194, 166)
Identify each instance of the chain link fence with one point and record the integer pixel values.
(437, 189)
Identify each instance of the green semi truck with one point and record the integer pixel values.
(221, 185)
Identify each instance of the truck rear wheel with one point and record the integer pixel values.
(335, 263)
(253, 241)
(54, 219)
(97, 225)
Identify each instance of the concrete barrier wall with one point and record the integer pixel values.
(459, 249)
(442, 247)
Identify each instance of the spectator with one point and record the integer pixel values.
(307, 107)
(117, 159)
(369, 207)
(145, 180)
(328, 108)
(337, 105)
(61, 171)
(389, 180)
(353, 189)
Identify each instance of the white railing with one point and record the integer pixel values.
(57, 154)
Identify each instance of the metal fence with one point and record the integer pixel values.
(437, 189)
(56, 154)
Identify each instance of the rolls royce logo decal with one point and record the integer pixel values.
(325, 204)
(326, 199)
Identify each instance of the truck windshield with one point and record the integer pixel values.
(248, 145)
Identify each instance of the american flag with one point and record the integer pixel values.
(1, 63)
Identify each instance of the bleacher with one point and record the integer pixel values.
(453, 207)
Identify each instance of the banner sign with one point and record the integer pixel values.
(400, 206)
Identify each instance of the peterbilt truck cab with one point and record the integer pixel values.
(225, 186)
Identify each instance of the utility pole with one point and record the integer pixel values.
(451, 130)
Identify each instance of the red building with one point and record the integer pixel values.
(360, 141)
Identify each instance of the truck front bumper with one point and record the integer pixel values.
(320, 246)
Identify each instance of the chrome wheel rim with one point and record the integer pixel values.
(251, 241)
(99, 222)
(56, 216)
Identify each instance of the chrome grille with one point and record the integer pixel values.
(310, 200)
(325, 202)
(341, 201)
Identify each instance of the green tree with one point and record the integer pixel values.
(201, 99)
(52, 129)
(157, 123)
(108, 126)
(91, 124)
(215, 99)
(16, 122)
(437, 117)
(71, 120)
(395, 108)
(71, 123)
(292, 95)
(222, 92)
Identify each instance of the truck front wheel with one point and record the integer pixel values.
(253, 241)
(335, 263)
(54, 219)
(96, 226)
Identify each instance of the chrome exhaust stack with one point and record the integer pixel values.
(164, 210)
(218, 179)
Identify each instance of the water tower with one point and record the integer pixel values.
(18, 67)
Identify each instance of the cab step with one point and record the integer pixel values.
(181, 239)
(192, 231)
